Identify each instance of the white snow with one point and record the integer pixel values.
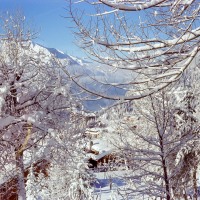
(110, 185)
(6, 121)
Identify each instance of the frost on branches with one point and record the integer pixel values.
(31, 108)
(68, 174)
(157, 137)
(187, 158)
(155, 41)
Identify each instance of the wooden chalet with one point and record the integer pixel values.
(8, 189)
(99, 153)
(101, 159)
(92, 134)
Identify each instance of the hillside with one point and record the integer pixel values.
(91, 75)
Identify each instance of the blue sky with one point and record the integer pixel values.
(46, 17)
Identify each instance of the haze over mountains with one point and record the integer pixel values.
(88, 74)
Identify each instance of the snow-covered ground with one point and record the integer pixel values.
(110, 185)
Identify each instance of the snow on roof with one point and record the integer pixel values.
(104, 153)
(102, 145)
(99, 156)
(89, 114)
(92, 131)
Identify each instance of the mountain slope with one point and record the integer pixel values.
(88, 74)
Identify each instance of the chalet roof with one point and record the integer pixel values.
(92, 131)
(103, 154)
(101, 145)
(99, 156)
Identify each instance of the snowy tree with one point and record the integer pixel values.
(186, 118)
(68, 174)
(155, 40)
(187, 158)
(152, 147)
(81, 182)
(155, 144)
(34, 184)
(35, 100)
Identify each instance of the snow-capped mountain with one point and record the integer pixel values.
(89, 73)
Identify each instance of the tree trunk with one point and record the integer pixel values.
(166, 180)
(185, 194)
(20, 176)
(195, 196)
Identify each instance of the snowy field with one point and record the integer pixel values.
(109, 186)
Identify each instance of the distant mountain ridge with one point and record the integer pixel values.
(89, 72)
